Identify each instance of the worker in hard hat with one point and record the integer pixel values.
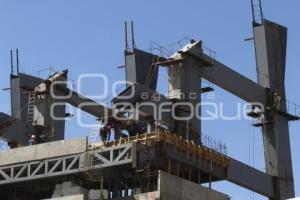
(32, 140)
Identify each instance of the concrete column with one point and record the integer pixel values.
(270, 44)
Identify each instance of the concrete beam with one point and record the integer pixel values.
(85, 104)
(250, 178)
(43, 151)
(232, 81)
(175, 188)
(221, 75)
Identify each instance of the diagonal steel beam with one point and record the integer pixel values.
(72, 163)
(4, 175)
(38, 168)
(123, 153)
(100, 157)
(20, 172)
(55, 166)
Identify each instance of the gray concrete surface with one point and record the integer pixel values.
(169, 188)
(96, 194)
(42, 151)
(73, 197)
(175, 188)
(67, 189)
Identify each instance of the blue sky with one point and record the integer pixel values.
(87, 37)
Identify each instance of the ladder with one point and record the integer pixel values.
(30, 109)
(257, 12)
(94, 134)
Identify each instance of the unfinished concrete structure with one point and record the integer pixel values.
(166, 158)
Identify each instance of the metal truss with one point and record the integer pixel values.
(111, 156)
(40, 169)
(71, 164)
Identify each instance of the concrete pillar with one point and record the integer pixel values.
(270, 43)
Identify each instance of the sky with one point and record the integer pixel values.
(88, 37)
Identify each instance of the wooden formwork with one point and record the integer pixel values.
(193, 152)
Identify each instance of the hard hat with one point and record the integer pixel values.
(33, 136)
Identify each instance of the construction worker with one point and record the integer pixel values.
(108, 127)
(32, 140)
(118, 132)
(41, 139)
(105, 132)
(131, 128)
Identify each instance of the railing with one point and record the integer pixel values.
(210, 53)
(257, 11)
(209, 150)
(214, 144)
(168, 50)
(293, 108)
(44, 73)
(47, 72)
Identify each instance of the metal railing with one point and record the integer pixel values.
(293, 108)
(211, 53)
(168, 50)
(213, 144)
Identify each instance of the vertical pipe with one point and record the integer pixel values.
(210, 175)
(126, 38)
(253, 12)
(261, 12)
(132, 35)
(11, 63)
(17, 52)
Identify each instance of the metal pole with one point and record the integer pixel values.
(11, 62)
(132, 35)
(253, 12)
(126, 37)
(17, 52)
(261, 12)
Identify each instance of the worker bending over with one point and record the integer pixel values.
(105, 132)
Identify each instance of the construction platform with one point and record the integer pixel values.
(129, 165)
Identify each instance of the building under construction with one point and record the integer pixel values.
(148, 156)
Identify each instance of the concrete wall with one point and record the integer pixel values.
(73, 197)
(143, 196)
(139, 66)
(42, 151)
(175, 188)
